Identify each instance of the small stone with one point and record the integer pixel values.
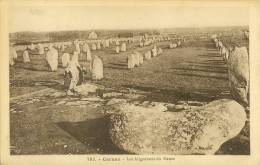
(95, 105)
(85, 89)
(186, 107)
(145, 103)
(65, 146)
(193, 107)
(182, 102)
(123, 91)
(195, 103)
(58, 94)
(91, 99)
(113, 94)
(170, 105)
(179, 107)
(135, 102)
(82, 102)
(82, 106)
(71, 103)
(69, 93)
(30, 102)
(154, 103)
(159, 107)
(116, 101)
(61, 102)
(132, 96)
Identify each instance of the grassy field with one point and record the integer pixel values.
(193, 71)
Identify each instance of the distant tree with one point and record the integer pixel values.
(126, 34)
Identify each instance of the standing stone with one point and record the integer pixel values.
(226, 56)
(89, 58)
(107, 43)
(26, 57)
(75, 57)
(41, 49)
(130, 61)
(154, 51)
(223, 51)
(62, 47)
(148, 55)
(117, 49)
(65, 59)
(73, 67)
(217, 45)
(32, 46)
(220, 45)
(141, 59)
(123, 47)
(98, 46)
(13, 53)
(160, 51)
(50, 45)
(85, 47)
(136, 58)
(146, 42)
(238, 70)
(200, 130)
(94, 46)
(52, 59)
(141, 44)
(96, 68)
(117, 43)
(171, 45)
(76, 43)
(11, 60)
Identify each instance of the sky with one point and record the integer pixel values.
(42, 19)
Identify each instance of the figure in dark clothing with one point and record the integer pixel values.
(67, 78)
(84, 70)
(82, 75)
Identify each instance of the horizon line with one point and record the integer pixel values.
(114, 29)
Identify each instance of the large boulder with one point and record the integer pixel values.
(200, 130)
(238, 69)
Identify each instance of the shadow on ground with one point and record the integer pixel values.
(94, 132)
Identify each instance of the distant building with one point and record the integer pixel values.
(92, 35)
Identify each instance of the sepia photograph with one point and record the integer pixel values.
(128, 80)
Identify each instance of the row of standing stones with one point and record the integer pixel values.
(200, 130)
